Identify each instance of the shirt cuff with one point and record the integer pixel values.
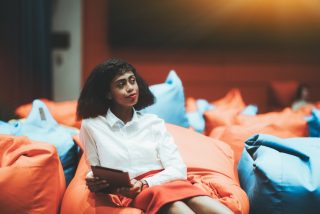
(89, 174)
(149, 181)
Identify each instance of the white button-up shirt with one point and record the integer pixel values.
(139, 146)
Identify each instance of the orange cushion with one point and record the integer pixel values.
(31, 176)
(225, 110)
(191, 104)
(282, 124)
(62, 112)
(233, 99)
(291, 121)
(210, 166)
(219, 117)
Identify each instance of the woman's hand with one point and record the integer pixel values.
(131, 192)
(95, 184)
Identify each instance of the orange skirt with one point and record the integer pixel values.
(151, 199)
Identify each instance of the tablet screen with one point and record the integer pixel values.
(116, 178)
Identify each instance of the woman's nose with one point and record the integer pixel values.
(129, 87)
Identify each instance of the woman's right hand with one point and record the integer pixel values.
(95, 184)
(133, 191)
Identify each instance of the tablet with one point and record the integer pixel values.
(116, 178)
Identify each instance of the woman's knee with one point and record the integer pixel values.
(176, 207)
(198, 200)
(205, 204)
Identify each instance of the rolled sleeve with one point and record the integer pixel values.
(174, 167)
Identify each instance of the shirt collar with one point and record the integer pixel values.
(112, 119)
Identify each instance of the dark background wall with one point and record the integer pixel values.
(252, 63)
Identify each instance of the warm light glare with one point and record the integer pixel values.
(224, 24)
(290, 14)
(288, 20)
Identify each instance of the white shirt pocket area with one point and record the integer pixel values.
(144, 153)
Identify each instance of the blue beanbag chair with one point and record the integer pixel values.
(314, 123)
(281, 175)
(40, 126)
(9, 128)
(170, 101)
(196, 118)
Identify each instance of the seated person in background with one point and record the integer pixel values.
(116, 135)
(301, 98)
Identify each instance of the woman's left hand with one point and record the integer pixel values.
(131, 192)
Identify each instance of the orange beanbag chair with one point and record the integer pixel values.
(233, 99)
(284, 124)
(63, 112)
(210, 166)
(191, 104)
(31, 176)
(225, 111)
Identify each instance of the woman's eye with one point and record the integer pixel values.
(132, 80)
(120, 84)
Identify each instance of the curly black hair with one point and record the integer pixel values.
(93, 102)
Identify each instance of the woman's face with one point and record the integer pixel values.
(124, 90)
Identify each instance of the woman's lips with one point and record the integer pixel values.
(132, 96)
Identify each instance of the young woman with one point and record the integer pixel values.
(117, 136)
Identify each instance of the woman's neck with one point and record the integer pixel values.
(124, 114)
